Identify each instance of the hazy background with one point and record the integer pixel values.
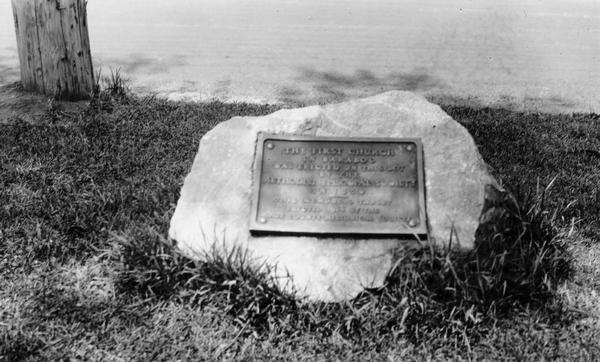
(534, 55)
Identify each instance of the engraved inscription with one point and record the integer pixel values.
(332, 185)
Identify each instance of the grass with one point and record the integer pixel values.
(529, 150)
(86, 272)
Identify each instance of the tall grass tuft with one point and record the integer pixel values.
(108, 90)
(227, 278)
(519, 259)
(115, 84)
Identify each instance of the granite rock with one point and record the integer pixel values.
(214, 206)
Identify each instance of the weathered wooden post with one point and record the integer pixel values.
(54, 47)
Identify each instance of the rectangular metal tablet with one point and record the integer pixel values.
(326, 185)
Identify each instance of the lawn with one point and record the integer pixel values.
(86, 270)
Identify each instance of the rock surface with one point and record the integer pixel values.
(215, 201)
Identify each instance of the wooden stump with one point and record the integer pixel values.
(54, 47)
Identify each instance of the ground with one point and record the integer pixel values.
(15, 103)
(87, 191)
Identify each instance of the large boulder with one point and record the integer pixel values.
(215, 203)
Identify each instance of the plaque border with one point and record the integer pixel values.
(256, 227)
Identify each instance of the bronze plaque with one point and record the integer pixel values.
(325, 185)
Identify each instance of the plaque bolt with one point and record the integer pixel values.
(413, 222)
(262, 220)
(270, 146)
(409, 147)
